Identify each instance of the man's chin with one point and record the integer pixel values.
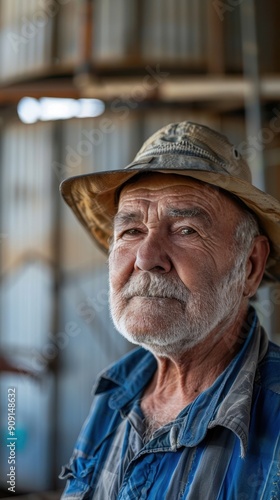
(149, 328)
(161, 342)
(150, 314)
(159, 348)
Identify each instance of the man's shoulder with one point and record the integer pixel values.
(269, 369)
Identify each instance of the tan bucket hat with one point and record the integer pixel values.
(187, 149)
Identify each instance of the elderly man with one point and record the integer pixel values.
(194, 413)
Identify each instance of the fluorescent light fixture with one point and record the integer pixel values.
(31, 110)
(28, 110)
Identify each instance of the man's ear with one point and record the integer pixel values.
(256, 262)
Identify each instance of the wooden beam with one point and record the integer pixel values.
(171, 89)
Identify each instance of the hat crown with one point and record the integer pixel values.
(197, 141)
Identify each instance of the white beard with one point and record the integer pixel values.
(161, 314)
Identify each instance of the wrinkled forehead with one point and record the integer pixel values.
(154, 181)
(160, 183)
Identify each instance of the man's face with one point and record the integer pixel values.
(173, 272)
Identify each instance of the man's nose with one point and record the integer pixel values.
(151, 255)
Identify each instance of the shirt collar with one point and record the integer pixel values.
(128, 377)
(228, 401)
(235, 409)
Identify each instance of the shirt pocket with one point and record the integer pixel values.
(80, 477)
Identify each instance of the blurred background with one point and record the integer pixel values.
(82, 84)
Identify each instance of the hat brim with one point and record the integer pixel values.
(92, 197)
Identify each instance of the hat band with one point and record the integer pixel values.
(178, 162)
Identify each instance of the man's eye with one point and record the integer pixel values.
(130, 232)
(187, 230)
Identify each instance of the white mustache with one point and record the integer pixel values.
(153, 285)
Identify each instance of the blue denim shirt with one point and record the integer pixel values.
(225, 445)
